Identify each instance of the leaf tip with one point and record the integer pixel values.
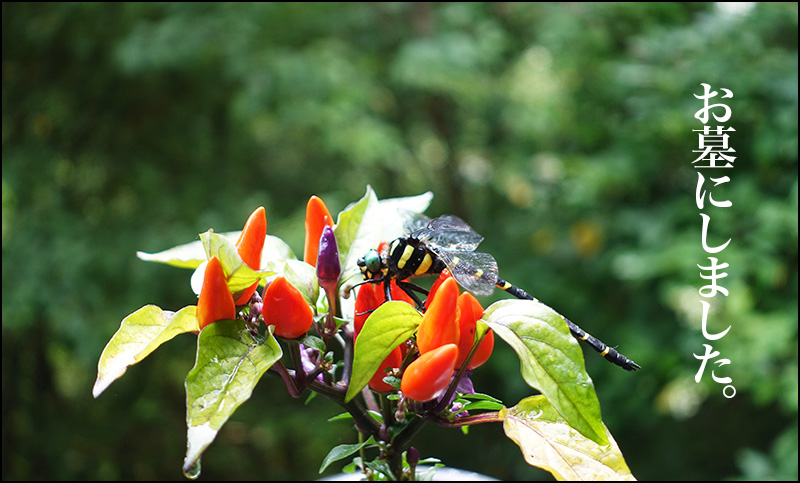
(98, 389)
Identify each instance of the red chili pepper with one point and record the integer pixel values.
(316, 213)
(286, 309)
(427, 377)
(370, 297)
(393, 360)
(399, 294)
(215, 302)
(439, 325)
(470, 311)
(250, 245)
(444, 275)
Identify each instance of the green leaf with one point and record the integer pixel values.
(386, 328)
(547, 441)
(355, 234)
(188, 255)
(343, 451)
(341, 417)
(480, 329)
(367, 222)
(351, 467)
(139, 335)
(487, 405)
(481, 397)
(551, 360)
(313, 342)
(393, 381)
(274, 249)
(428, 473)
(229, 364)
(303, 277)
(192, 254)
(240, 275)
(382, 468)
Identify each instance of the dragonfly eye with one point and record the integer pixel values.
(370, 264)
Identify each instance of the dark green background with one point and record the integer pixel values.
(561, 132)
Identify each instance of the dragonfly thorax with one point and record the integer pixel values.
(372, 265)
(409, 257)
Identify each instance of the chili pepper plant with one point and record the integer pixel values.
(392, 366)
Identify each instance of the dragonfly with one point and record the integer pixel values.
(449, 242)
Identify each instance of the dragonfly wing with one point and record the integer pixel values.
(451, 233)
(475, 271)
(414, 221)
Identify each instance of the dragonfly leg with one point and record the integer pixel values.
(410, 289)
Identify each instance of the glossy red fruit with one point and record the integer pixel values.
(399, 294)
(393, 360)
(370, 297)
(317, 218)
(443, 275)
(215, 302)
(439, 325)
(470, 311)
(286, 308)
(250, 245)
(428, 377)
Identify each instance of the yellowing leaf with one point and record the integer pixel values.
(550, 359)
(229, 364)
(139, 335)
(548, 442)
(192, 254)
(240, 275)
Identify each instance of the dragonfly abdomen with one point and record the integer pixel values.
(609, 353)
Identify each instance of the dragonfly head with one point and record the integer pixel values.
(371, 265)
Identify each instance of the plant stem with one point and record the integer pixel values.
(347, 370)
(402, 441)
(365, 423)
(297, 361)
(445, 401)
(491, 417)
(288, 378)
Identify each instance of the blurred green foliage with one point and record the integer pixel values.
(562, 132)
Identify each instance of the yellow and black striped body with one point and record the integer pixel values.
(448, 242)
(405, 258)
(408, 257)
(610, 354)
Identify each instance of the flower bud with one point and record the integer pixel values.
(412, 456)
(328, 266)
